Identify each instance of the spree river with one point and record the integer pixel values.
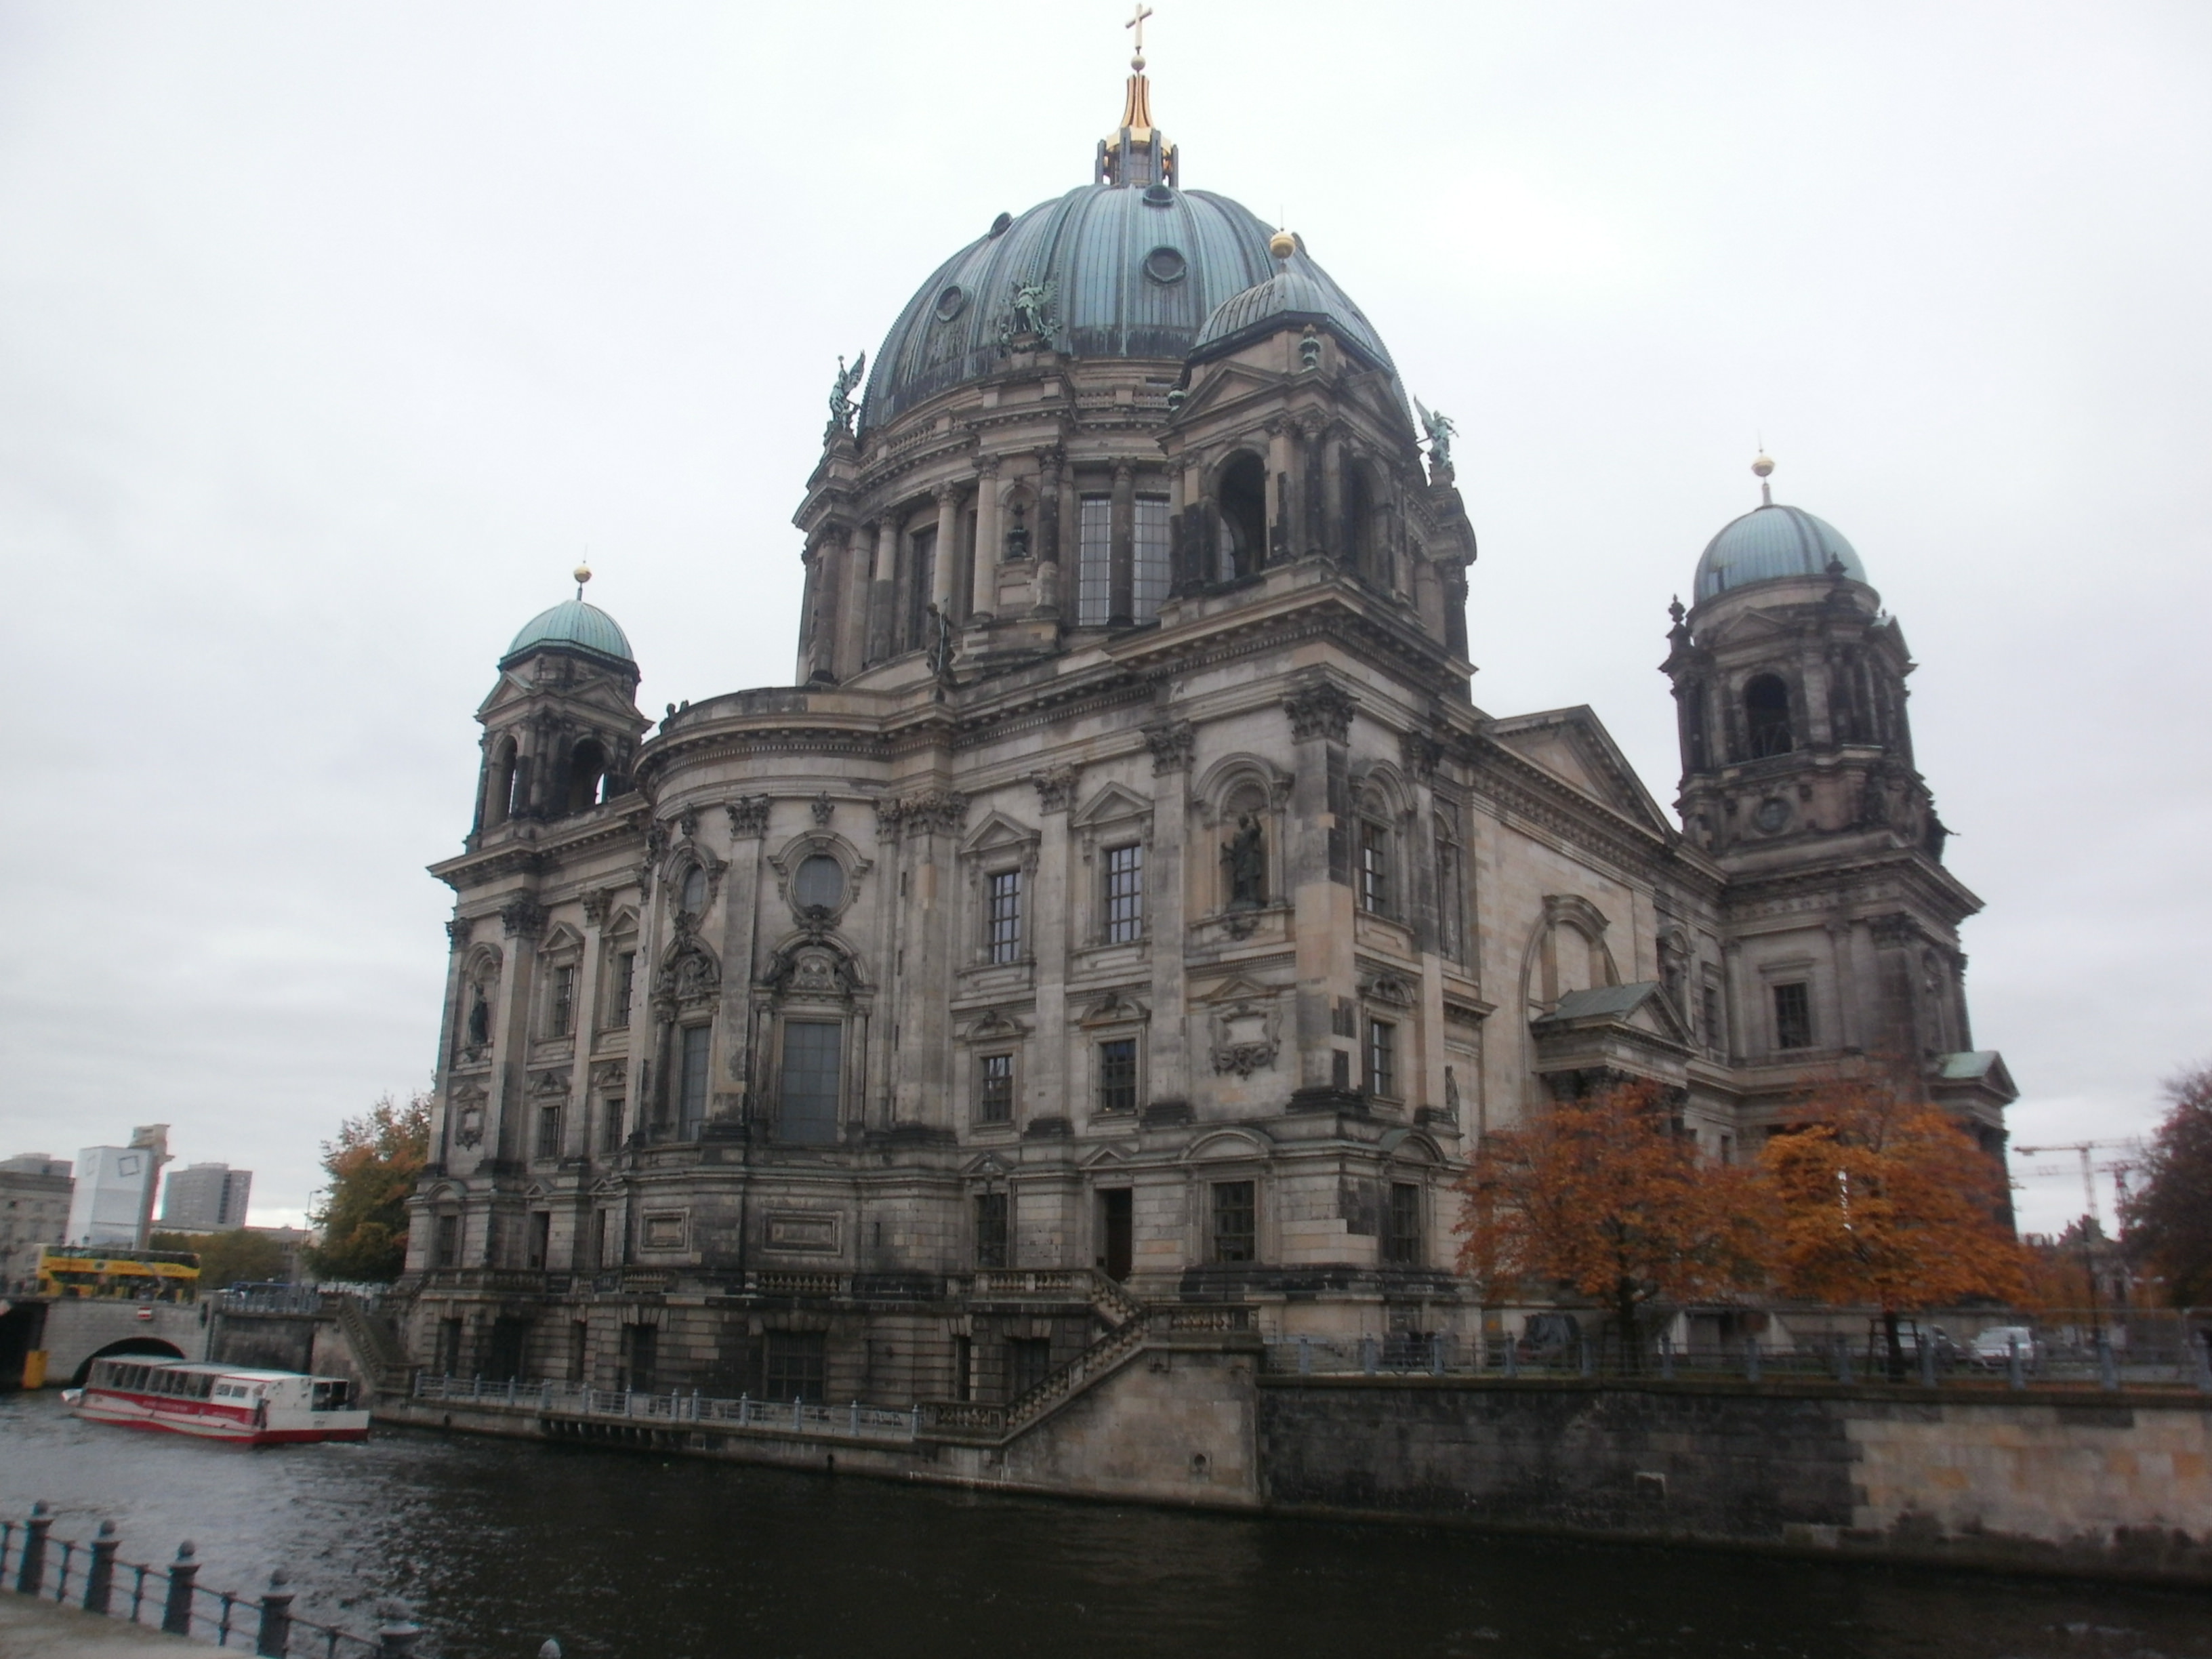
(497, 1544)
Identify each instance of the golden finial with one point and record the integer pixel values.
(1282, 244)
(582, 574)
(1761, 468)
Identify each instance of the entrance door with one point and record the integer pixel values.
(1116, 1231)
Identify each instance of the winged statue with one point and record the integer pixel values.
(1440, 426)
(1033, 305)
(842, 407)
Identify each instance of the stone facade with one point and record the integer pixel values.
(1129, 888)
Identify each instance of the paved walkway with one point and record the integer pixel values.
(31, 1629)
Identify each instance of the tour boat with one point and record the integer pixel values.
(218, 1402)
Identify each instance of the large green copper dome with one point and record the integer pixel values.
(1136, 271)
(579, 627)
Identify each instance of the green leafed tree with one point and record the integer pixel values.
(372, 1166)
(235, 1257)
(2168, 1216)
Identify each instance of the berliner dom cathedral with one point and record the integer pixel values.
(1125, 903)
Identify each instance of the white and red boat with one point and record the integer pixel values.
(218, 1402)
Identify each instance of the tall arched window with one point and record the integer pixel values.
(1242, 496)
(694, 900)
(587, 764)
(1767, 716)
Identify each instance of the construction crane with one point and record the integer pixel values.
(2118, 1169)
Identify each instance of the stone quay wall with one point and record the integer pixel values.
(2109, 1486)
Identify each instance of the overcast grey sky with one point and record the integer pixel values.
(331, 336)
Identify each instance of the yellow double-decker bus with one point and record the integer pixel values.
(119, 1276)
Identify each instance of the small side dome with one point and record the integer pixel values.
(579, 627)
(1291, 295)
(1769, 543)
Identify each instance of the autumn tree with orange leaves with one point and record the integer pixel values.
(1887, 1200)
(1605, 1194)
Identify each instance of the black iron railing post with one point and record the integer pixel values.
(30, 1571)
(184, 1574)
(276, 1630)
(100, 1573)
(396, 1639)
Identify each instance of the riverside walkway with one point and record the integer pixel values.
(31, 1629)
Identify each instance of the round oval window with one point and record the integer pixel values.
(950, 303)
(1165, 264)
(820, 883)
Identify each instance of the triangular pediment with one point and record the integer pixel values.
(1113, 802)
(1241, 989)
(1642, 1005)
(997, 829)
(1572, 745)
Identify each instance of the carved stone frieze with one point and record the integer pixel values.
(823, 808)
(457, 929)
(939, 810)
(523, 917)
(748, 815)
(597, 904)
(1055, 787)
(1174, 744)
(1320, 711)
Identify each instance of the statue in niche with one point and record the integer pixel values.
(479, 1018)
(1245, 860)
(1451, 1095)
(1018, 538)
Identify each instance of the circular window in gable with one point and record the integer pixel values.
(819, 883)
(1166, 264)
(951, 303)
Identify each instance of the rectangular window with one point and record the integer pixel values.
(692, 1077)
(446, 1252)
(1402, 1245)
(813, 1053)
(1002, 935)
(922, 575)
(611, 1124)
(625, 988)
(794, 1365)
(995, 1089)
(1382, 1059)
(1374, 868)
(1117, 1075)
(1150, 550)
(548, 1132)
(563, 1021)
(540, 1239)
(1029, 1362)
(1236, 1221)
(1094, 562)
(990, 1229)
(1710, 997)
(1793, 1016)
(1125, 894)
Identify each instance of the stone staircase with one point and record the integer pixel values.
(375, 1345)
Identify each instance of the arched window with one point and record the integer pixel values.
(588, 765)
(1242, 495)
(1767, 716)
(819, 883)
(694, 899)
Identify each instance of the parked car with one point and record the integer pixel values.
(1911, 1334)
(1992, 1349)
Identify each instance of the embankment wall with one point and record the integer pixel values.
(2113, 1486)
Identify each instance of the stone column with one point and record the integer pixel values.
(1166, 898)
(984, 598)
(731, 1099)
(1280, 536)
(1424, 909)
(853, 557)
(1333, 540)
(948, 550)
(459, 930)
(1317, 874)
(1057, 1082)
(1120, 605)
(810, 600)
(882, 588)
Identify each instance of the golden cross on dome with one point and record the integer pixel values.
(1137, 22)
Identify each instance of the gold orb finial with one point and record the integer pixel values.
(1762, 467)
(1282, 244)
(582, 573)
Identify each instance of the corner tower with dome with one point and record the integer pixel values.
(1125, 906)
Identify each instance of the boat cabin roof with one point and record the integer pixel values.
(206, 1368)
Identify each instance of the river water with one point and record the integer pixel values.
(497, 1544)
